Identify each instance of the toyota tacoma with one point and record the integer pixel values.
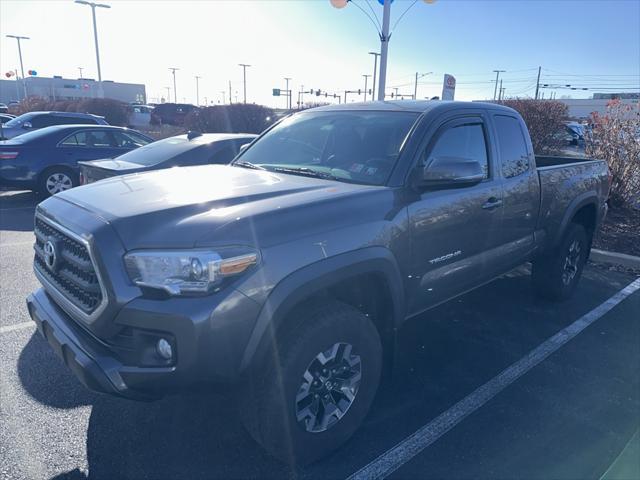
(289, 272)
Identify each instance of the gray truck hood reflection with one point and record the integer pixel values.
(188, 206)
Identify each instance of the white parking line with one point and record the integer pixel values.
(16, 326)
(392, 459)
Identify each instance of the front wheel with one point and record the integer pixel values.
(556, 276)
(316, 393)
(56, 180)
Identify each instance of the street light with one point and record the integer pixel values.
(375, 68)
(175, 91)
(244, 79)
(383, 31)
(288, 92)
(95, 37)
(18, 38)
(197, 77)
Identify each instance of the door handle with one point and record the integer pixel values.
(493, 202)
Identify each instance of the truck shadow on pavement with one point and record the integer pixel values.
(444, 355)
(16, 211)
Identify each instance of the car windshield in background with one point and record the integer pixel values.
(352, 146)
(160, 151)
(18, 121)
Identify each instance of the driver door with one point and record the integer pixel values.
(453, 229)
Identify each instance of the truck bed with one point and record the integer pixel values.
(565, 182)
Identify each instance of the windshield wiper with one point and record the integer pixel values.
(241, 163)
(309, 172)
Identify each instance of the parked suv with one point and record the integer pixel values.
(31, 121)
(171, 113)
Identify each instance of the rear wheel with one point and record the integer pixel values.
(316, 393)
(56, 180)
(555, 276)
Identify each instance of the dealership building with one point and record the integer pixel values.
(58, 88)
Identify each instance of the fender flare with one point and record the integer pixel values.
(313, 278)
(587, 198)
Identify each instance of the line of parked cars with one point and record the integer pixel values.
(50, 152)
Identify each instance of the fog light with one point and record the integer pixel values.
(164, 349)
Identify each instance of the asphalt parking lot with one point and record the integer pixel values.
(569, 414)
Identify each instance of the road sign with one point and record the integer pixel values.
(276, 92)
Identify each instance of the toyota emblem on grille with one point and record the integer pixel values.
(50, 254)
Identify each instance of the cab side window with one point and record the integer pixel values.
(512, 146)
(462, 141)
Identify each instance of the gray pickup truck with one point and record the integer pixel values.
(288, 272)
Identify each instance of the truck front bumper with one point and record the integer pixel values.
(88, 359)
(208, 344)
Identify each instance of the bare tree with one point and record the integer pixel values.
(615, 137)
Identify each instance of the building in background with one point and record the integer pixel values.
(58, 88)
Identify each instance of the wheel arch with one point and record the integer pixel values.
(584, 210)
(344, 277)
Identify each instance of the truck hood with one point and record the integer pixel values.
(189, 206)
(113, 165)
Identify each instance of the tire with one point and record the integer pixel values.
(55, 180)
(273, 404)
(556, 276)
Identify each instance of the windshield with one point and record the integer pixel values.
(353, 146)
(161, 151)
(16, 122)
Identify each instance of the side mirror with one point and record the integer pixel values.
(451, 172)
(27, 125)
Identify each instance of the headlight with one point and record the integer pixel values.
(180, 272)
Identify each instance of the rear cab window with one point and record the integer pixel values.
(512, 146)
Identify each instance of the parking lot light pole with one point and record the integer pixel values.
(18, 38)
(95, 37)
(175, 91)
(244, 79)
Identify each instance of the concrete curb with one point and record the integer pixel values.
(623, 259)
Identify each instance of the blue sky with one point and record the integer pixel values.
(585, 43)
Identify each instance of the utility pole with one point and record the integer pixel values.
(301, 96)
(18, 38)
(366, 78)
(495, 89)
(384, 48)
(230, 92)
(396, 89)
(175, 91)
(95, 38)
(168, 93)
(197, 90)
(375, 68)
(288, 93)
(80, 70)
(224, 101)
(501, 91)
(415, 88)
(538, 82)
(244, 79)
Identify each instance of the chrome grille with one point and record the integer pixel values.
(72, 275)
